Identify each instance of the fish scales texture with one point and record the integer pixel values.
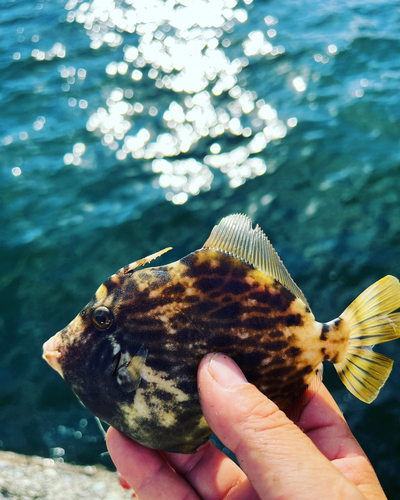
(204, 302)
(132, 353)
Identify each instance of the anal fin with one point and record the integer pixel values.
(296, 408)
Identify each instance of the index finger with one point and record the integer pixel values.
(325, 425)
(323, 422)
(208, 474)
(146, 471)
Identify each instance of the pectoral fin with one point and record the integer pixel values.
(129, 373)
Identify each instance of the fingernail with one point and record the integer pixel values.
(225, 371)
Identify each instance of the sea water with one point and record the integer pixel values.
(130, 126)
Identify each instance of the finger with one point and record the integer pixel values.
(278, 458)
(146, 471)
(212, 474)
(324, 424)
(122, 481)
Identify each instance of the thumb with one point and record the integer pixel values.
(278, 458)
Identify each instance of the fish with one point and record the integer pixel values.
(131, 355)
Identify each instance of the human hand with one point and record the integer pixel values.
(317, 459)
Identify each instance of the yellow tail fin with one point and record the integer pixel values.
(363, 371)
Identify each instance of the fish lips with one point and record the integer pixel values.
(56, 349)
(52, 353)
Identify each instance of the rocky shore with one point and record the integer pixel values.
(34, 478)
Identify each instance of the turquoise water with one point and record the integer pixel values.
(116, 143)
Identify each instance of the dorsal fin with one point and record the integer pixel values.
(142, 262)
(235, 236)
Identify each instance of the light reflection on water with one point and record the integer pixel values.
(180, 53)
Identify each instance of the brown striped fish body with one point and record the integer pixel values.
(132, 353)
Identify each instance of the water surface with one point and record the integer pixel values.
(127, 127)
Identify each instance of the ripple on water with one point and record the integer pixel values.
(199, 99)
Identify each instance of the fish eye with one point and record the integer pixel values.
(102, 318)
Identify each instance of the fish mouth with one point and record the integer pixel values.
(52, 353)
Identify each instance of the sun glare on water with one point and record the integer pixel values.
(179, 50)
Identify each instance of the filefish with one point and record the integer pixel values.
(131, 355)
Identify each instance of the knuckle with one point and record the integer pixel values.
(262, 412)
(261, 422)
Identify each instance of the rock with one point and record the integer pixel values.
(37, 478)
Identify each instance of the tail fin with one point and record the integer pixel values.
(364, 371)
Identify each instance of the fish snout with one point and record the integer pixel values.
(52, 353)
